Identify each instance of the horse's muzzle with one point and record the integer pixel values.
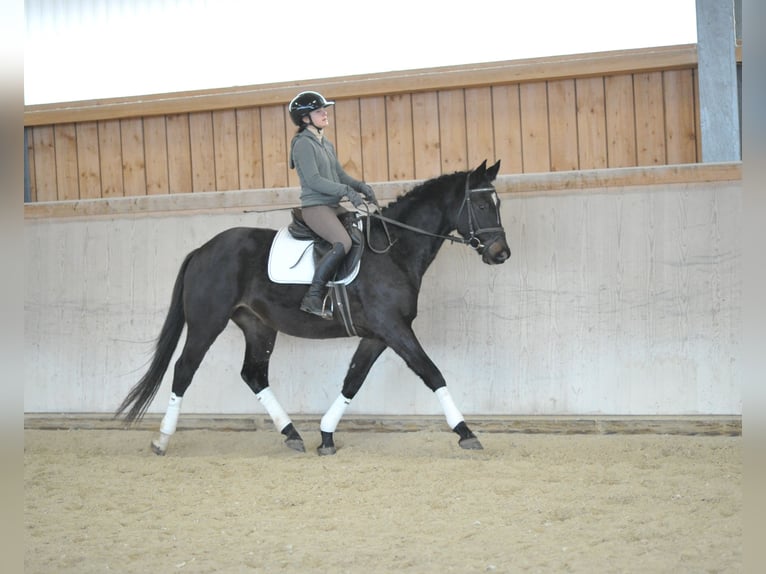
(496, 251)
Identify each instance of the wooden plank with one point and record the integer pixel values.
(65, 137)
(374, 144)
(45, 164)
(591, 123)
(650, 118)
(156, 162)
(697, 113)
(225, 148)
(275, 148)
(88, 161)
(179, 154)
(400, 141)
(133, 164)
(249, 150)
(479, 126)
(202, 151)
(110, 158)
(348, 138)
(533, 103)
(30, 159)
(366, 85)
(620, 121)
(680, 124)
(452, 131)
(425, 135)
(562, 115)
(507, 120)
(542, 184)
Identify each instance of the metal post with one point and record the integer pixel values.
(719, 106)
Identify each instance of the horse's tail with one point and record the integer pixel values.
(141, 395)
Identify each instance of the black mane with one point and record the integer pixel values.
(423, 192)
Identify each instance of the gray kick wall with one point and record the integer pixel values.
(615, 301)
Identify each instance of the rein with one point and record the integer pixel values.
(473, 240)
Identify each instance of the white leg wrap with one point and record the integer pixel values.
(275, 410)
(453, 415)
(333, 415)
(170, 420)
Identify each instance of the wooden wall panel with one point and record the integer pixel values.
(650, 118)
(374, 144)
(535, 140)
(179, 154)
(45, 164)
(680, 126)
(620, 121)
(400, 138)
(31, 193)
(110, 158)
(202, 151)
(426, 142)
(88, 162)
(562, 109)
(591, 123)
(480, 137)
(249, 149)
(534, 118)
(452, 131)
(225, 149)
(65, 137)
(133, 163)
(156, 150)
(275, 147)
(348, 137)
(507, 124)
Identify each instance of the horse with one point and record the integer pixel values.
(226, 279)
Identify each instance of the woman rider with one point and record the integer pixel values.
(324, 184)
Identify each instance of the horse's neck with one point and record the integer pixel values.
(420, 249)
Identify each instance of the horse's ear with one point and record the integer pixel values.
(477, 175)
(492, 171)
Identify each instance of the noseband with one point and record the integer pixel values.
(473, 240)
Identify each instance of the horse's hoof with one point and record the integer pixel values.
(326, 450)
(296, 444)
(157, 449)
(470, 443)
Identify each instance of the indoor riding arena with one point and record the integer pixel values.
(600, 366)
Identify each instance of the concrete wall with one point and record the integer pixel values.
(618, 299)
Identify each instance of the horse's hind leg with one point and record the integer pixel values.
(365, 356)
(259, 344)
(198, 341)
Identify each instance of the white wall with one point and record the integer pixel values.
(615, 301)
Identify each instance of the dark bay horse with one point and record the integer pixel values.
(226, 280)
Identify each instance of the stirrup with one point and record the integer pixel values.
(321, 310)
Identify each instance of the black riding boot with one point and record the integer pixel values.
(325, 269)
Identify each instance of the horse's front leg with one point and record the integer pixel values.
(364, 357)
(406, 345)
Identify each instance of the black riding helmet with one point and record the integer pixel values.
(305, 103)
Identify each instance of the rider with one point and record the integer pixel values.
(324, 184)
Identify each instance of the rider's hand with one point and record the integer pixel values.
(355, 199)
(366, 190)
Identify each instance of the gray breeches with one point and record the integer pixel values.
(323, 219)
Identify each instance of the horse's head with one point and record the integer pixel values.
(479, 218)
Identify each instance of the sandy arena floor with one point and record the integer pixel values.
(229, 502)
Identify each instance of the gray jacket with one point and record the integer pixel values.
(323, 180)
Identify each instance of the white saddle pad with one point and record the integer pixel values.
(292, 261)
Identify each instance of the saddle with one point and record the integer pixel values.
(302, 232)
(292, 260)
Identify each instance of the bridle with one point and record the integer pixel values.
(473, 240)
